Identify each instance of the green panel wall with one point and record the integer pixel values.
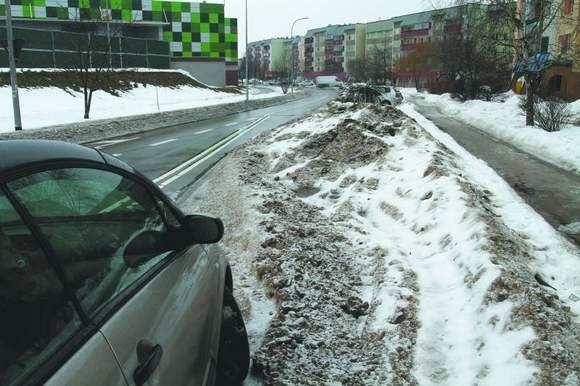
(193, 29)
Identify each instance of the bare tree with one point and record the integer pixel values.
(374, 67)
(282, 67)
(359, 69)
(475, 53)
(418, 62)
(91, 66)
(379, 64)
(528, 25)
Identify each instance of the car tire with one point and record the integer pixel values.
(234, 350)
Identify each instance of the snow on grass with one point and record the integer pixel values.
(504, 120)
(48, 106)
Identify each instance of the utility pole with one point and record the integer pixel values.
(12, 64)
(292, 53)
(247, 58)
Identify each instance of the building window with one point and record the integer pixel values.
(568, 7)
(545, 44)
(564, 43)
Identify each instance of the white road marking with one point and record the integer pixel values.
(117, 155)
(162, 142)
(203, 131)
(232, 124)
(111, 142)
(181, 170)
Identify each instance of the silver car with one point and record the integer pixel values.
(389, 95)
(103, 281)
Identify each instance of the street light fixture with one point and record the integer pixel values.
(292, 50)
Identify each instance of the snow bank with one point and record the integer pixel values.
(42, 107)
(506, 122)
(394, 258)
(554, 255)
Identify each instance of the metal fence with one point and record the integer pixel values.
(57, 49)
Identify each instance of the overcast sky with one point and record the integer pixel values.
(273, 18)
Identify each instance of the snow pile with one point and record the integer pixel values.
(575, 109)
(388, 262)
(48, 106)
(505, 120)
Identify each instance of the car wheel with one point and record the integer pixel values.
(234, 350)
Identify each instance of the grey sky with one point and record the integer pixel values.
(273, 18)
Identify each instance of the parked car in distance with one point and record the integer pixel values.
(105, 281)
(327, 81)
(390, 95)
(398, 96)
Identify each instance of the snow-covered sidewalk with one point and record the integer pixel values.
(377, 251)
(48, 106)
(505, 121)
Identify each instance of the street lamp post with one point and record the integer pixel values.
(247, 58)
(292, 50)
(12, 64)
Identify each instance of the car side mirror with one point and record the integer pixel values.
(198, 229)
(144, 246)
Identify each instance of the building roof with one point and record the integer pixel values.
(260, 43)
(331, 29)
(381, 25)
(421, 17)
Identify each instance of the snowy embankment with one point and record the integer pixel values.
(49, 106)
(377, 251)
(505, 121)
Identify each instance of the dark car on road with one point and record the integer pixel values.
(104, 281)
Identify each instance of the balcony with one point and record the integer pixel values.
(452, 28)
(414, 33)
(408, 47)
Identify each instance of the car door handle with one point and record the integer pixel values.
(148, 356)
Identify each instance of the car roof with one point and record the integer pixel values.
(15, 153)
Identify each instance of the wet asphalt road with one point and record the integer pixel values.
(552, 192)
(174, 157)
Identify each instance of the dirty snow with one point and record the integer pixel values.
(48, 106)
(391, 256)
(504, 120)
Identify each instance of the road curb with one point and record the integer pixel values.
(91, 131)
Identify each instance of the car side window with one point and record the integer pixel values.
(105, 228)
(35, 316)
(168, 214)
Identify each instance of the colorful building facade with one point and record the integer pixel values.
(198, 31)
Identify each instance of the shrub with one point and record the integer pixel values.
(360, 93)
(552, 114)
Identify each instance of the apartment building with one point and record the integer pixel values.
(325, 51)
(562, 79)
(410, 31)
(354, 44)
(414, 30)
(299, 66)
(267, 58)
(315, 55)
(329, 50)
